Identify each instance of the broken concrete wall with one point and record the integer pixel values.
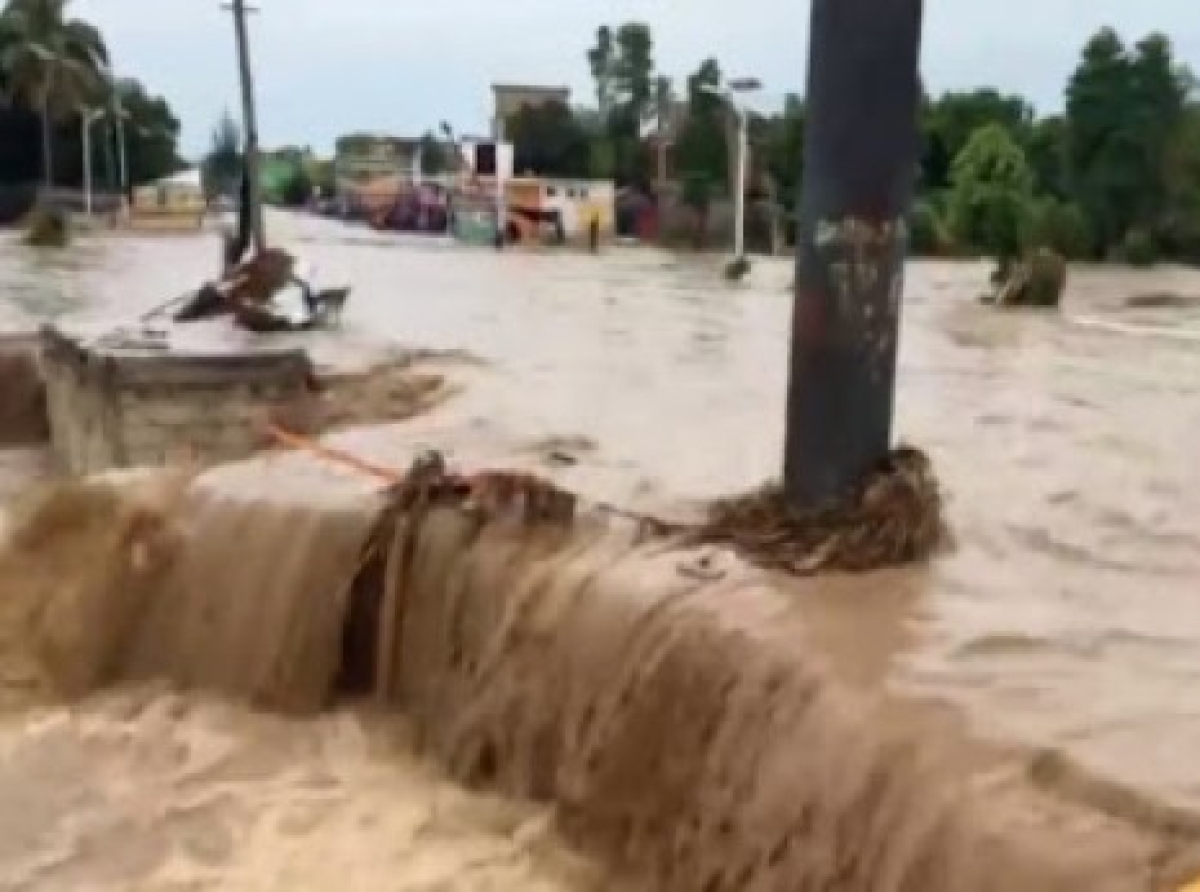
(23, 417)
(112, 410)
(666, 701)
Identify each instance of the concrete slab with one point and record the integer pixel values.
(139, 394)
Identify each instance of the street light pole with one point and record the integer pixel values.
(739, 224)
(250, 124)
(122, 152)
(87, 117)
(860, 156)
(742, 116)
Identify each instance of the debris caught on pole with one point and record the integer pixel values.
(249, 124)
(861, 152)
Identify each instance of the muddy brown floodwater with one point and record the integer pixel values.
(1065, 616)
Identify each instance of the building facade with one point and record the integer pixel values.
(361, 158)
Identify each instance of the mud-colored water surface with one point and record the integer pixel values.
(154, 790)
(1064, 616)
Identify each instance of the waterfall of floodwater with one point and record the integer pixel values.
(1064, 617)
(663, 703)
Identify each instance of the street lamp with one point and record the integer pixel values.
(742, 114)
(87, 117)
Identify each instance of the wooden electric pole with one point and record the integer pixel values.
(860, 160)
(249, 125)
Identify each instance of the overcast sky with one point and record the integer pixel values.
(326, 67)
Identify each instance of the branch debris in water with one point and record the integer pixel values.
(894, 517)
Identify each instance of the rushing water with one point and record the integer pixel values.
(1066, 444)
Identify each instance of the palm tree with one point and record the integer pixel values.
(51, 62)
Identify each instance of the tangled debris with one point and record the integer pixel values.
(893, 518)
(1037, 281)
(47, 227)
(737, 269)
(251, 291)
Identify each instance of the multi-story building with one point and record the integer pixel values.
(361, 158)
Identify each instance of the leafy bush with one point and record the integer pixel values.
(298, 189)
(1138, 248)
(991, 196)
(924, 230)
(1061, 227)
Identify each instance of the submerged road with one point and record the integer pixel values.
(1063, 616)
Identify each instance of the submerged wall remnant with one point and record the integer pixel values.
(141, 398)
(664, 698)
(23, 418)
(119, 404)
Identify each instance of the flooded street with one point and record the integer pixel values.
(146, 789)
(1064, 616)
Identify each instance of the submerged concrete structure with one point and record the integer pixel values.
(120, 398)
(664, 699)
(120, 403)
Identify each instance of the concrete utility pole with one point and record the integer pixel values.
(860, 158)
(249, 123)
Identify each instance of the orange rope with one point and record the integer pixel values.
(337, 456)
(392, 477)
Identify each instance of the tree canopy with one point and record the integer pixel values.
(991, 192)
(548, 140)
(222, 165)
(54, 68)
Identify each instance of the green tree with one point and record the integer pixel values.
(548, 141)
(702, 152)
(151, 132)
(433, 156)
(633, 72)
(1121, 109)
(298, 189)
(622, 66)
(697, 197)
(948, 123)
(52, 62)
(222, 165)
(926, 232)
(1179, 235)
(1046, 149)
(991, 194)
(601, 61)
(1159, 94)
(782, 145)
(1060, 226)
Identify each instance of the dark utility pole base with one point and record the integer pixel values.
(861, 155)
